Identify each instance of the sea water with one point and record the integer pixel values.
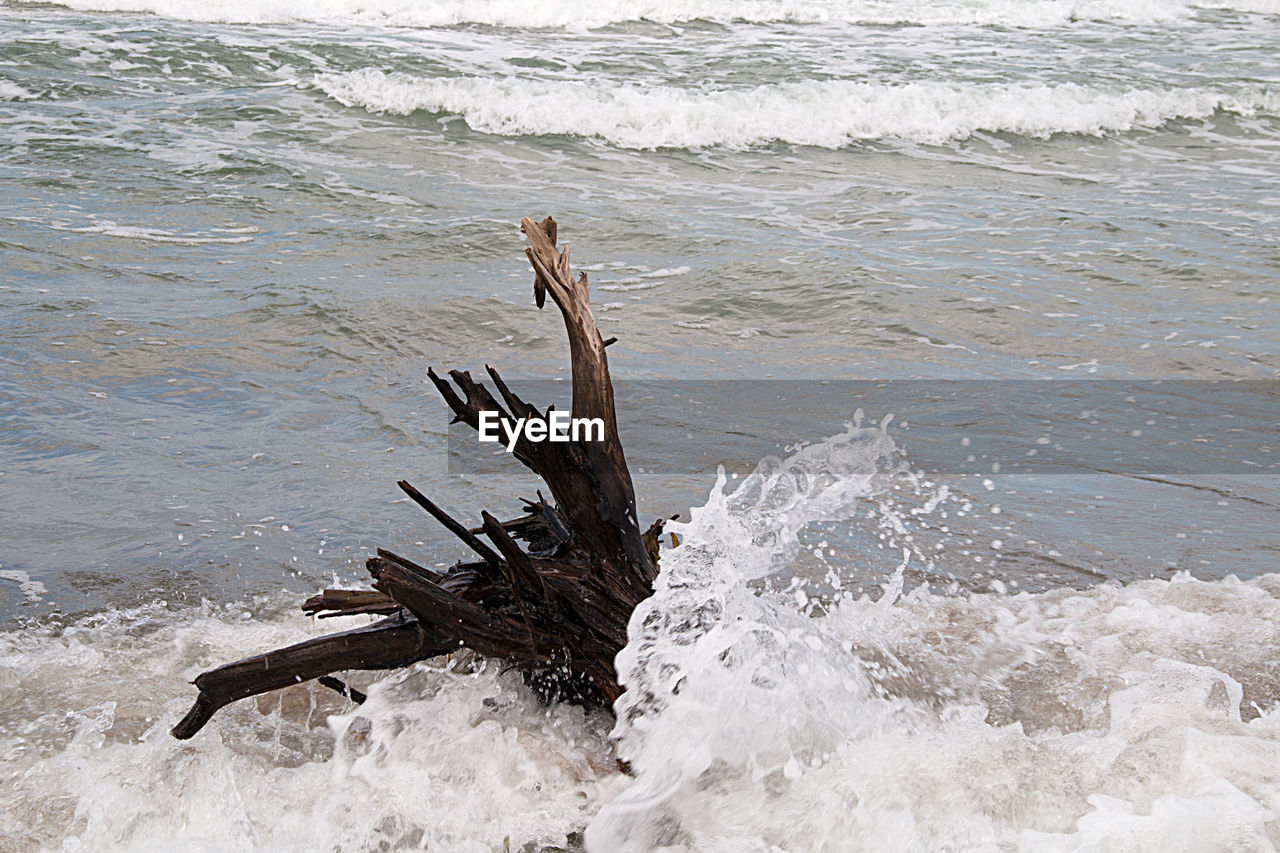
(234, 235)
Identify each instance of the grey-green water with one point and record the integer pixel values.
(223, 283)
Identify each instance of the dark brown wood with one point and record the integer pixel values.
(347, 602)
(342, 687)
(557, 607)
(485, 552)
(393, 642)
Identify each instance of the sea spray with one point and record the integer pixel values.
(1143, 716)
(708, 646)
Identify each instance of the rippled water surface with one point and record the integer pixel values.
(234, 235)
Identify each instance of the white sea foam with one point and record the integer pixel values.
(156, 235)
(148, 234)
(33, 591)
(1138, 718)
(512, 13)
(1107, 719)
(435, 759)
(626, 284)
(665, 272)
(828, 114)
(14, 92)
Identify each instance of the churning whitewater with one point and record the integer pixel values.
(827, 114)
(757, 717)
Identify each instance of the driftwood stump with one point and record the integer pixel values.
(556, 607)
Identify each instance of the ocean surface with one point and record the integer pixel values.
(234, 235)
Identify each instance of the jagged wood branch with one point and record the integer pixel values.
(454, 527)
(393, 642)
(558, 608)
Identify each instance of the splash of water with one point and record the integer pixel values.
(708, 645)
(1046, 721)
(758, 716)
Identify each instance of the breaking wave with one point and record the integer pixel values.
(510, 13)
(827, 114)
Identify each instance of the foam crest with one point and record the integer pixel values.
(827, 114)
(511, 13)
(148, 234)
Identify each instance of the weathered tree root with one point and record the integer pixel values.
(557, 608)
